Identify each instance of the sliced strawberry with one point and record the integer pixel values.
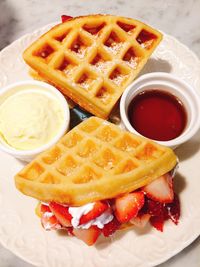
(161, 189)
(111, 227)
(158, 212)
(49, 221)
(127, 206)
(157, 222)
(144, 209)
(65, 18)
(44, 208)
(141, 220)
(154, 208)
(89, 236)
(61, 213)
(98, 208)
(174, 210)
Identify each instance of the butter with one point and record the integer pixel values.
(30, 119)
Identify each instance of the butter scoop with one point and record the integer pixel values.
(30, 119)
(33, 116)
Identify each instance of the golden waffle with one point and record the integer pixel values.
(92, 59)
(96, 160)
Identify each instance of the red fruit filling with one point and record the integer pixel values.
(89, 236)
(61, 213)
(138, 208)
(111, 227)
(65, 18)
(98, 209)
(160, 212)
(174, 209)
(128, 206)
(161, 189)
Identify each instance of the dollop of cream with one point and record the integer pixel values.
(100, 221)
(78, 212)
(30, 119)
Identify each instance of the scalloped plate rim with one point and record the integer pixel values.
(195, 235)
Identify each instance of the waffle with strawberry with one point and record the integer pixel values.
(154, 204)
(98, 179)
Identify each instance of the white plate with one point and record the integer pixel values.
(20, 229)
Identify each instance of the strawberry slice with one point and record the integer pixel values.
(157, 222)
(127, 206)
(65, 18)
(158, 212)
(89, 236)
(44, 208)
(174, 210)
(61, 213)
(141, 220)
(154, 208)
(98, 208)
(110, 227)
(49, 221)
(161, 189)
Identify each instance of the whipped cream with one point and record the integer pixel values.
(100, 221)
(78, 212)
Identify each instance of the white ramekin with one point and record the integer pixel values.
(177, 87)
(28, 155)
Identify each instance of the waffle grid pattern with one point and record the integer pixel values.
(89, 153)
(92, 59)
(92, 151)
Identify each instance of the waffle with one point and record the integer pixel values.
(92, 59)
(96, 160)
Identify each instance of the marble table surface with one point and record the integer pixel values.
(179, 18)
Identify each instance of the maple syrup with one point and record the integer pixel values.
(157, 114)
